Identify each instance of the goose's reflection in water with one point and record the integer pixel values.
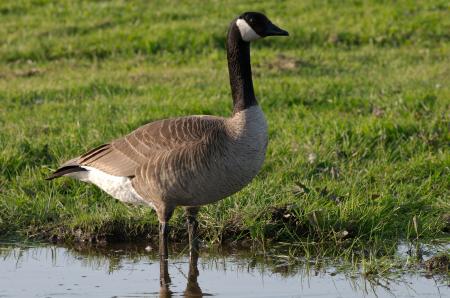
(132, 271)
(192, 287)
(164, 278)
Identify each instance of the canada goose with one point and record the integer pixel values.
(188, 161)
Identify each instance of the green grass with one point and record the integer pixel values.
(357, 100)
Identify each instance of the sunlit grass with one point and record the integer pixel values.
(357, 100)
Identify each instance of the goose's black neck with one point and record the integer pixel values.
(240, 71)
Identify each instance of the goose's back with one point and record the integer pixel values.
(124, 156)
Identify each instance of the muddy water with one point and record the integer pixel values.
(133, 271)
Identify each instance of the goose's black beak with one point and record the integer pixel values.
(273, 30)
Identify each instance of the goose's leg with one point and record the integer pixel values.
(164, 215)
(164, 278)
(192, 225)
(163, 239)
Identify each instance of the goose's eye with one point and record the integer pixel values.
(250, 20)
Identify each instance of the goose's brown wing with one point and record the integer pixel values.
(123, 156)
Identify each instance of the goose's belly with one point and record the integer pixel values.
(227, 176)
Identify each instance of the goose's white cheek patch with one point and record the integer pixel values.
(247, 32)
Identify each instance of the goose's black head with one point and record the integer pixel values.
(255, 25)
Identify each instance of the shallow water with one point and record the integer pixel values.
(131, 271)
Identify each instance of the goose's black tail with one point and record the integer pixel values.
(64, 171)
